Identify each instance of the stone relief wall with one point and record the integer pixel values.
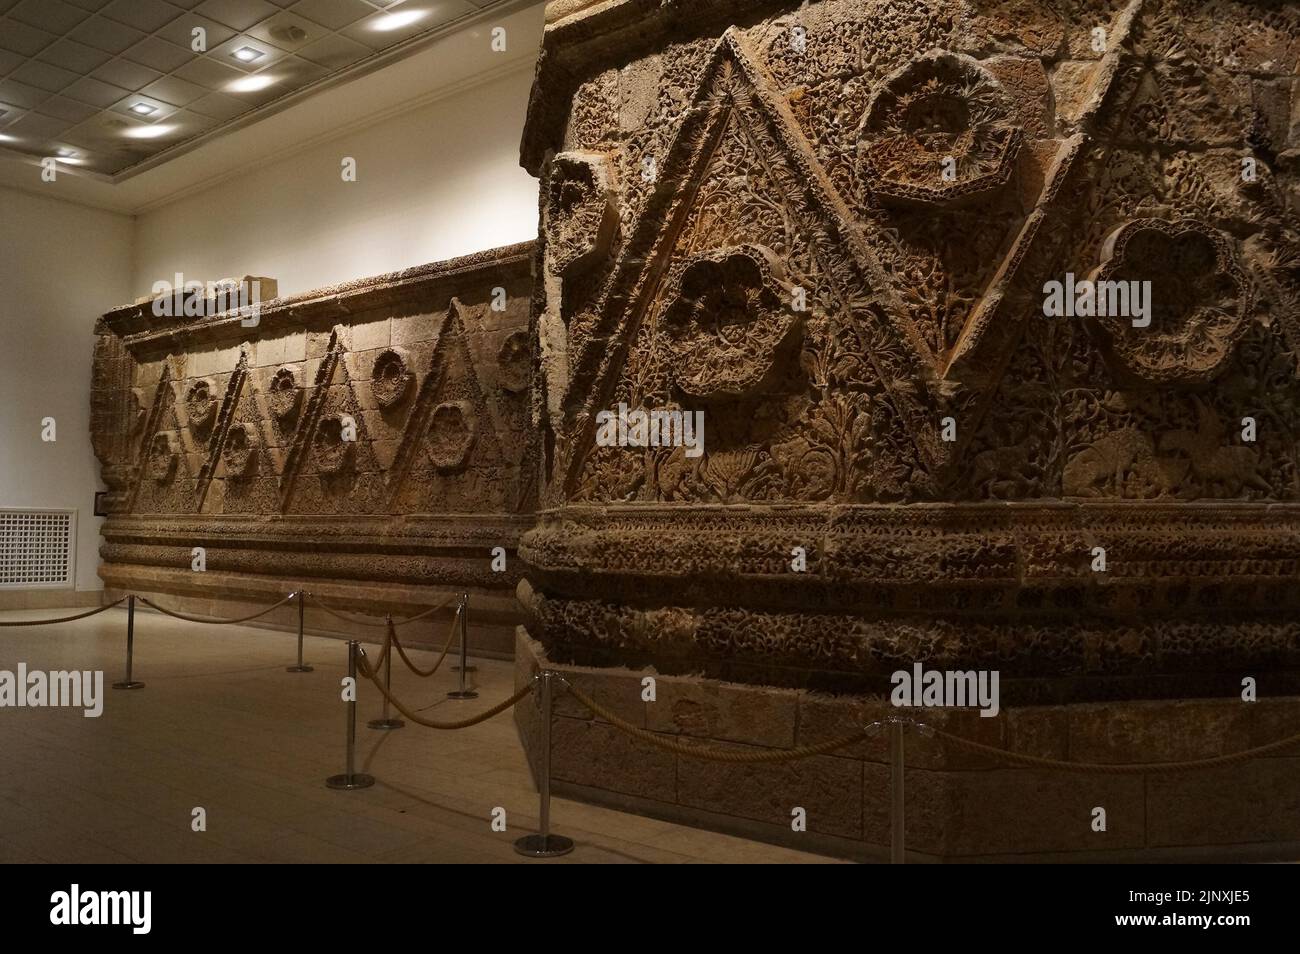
(831, 227)
(370, 440)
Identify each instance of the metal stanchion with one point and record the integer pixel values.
(301, 597)
(463, 612)
(896, 852)
(351, 778)
(386, 721)
(544, 844)
(128, 682)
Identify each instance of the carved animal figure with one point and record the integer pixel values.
(1104, 466)
(1009, 473)
(1221, 469)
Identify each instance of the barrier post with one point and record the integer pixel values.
(301, 597)
(351, 778)
(386, 721)
(463, 612)
(128, 682)
(544, 844)
(896, 850)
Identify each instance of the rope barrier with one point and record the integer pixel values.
(714, 754)
(677, 746)
(363, 666)
(361, 622)
(65, 619)
(451, 638)
(215, 621)
(1104, 768)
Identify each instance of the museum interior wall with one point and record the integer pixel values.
(59, 263)
(829, 228)
(437, 182)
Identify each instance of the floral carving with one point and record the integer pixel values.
(333, 452)
(515, 362)
(391, 377)
(580, 213)
(451, 435)
(201, 403)
(1200, 300)
(240, 449)
(727, 314)
(937, 132)
(285, 395)
(163, 457)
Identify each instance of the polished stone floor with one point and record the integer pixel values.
(221, 725)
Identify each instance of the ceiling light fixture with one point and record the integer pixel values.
(149, 132)
(143, 109)
(246, 54)
(250, 84)
(66, 153)
(395, 21)
(6, 138)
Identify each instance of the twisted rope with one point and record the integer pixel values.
(64, 619)
(361, 622)
(1103, 768)
(363, 666)
(451, 637)
(216, 621)
(714, 754)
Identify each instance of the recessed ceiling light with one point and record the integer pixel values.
(250, 84)
(395, 21)
(67, 153)
(149, 132)
(5, 138)
(246, 54)
(143, 109)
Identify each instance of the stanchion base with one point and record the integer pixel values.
(462, 694)
(128, 685)
(359, 780)
(543, 846)
(302, 668)
(385, 723)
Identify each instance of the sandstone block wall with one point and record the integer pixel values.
(369, 441)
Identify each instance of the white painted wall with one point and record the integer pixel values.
(438, 181)
(61, 266)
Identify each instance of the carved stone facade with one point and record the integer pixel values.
(370, 441)
(832, 227)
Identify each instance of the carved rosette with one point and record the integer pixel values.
(942, 106)
(514, 361)
(285, 395)
(728, 312)
(333, 453)
(163, 457)
(452, 430)
(201, 403)
(580, 214)
(240, 449)
(391, 377)
(1200, 300)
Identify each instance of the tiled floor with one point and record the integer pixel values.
(221, 725)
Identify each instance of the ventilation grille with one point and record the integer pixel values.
(36, 548)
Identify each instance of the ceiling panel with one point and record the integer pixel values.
(120, 80)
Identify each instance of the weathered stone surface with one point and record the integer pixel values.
(1254, 802)
(595, 753)
(836, 228)
(829, 789)
(306, 445)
